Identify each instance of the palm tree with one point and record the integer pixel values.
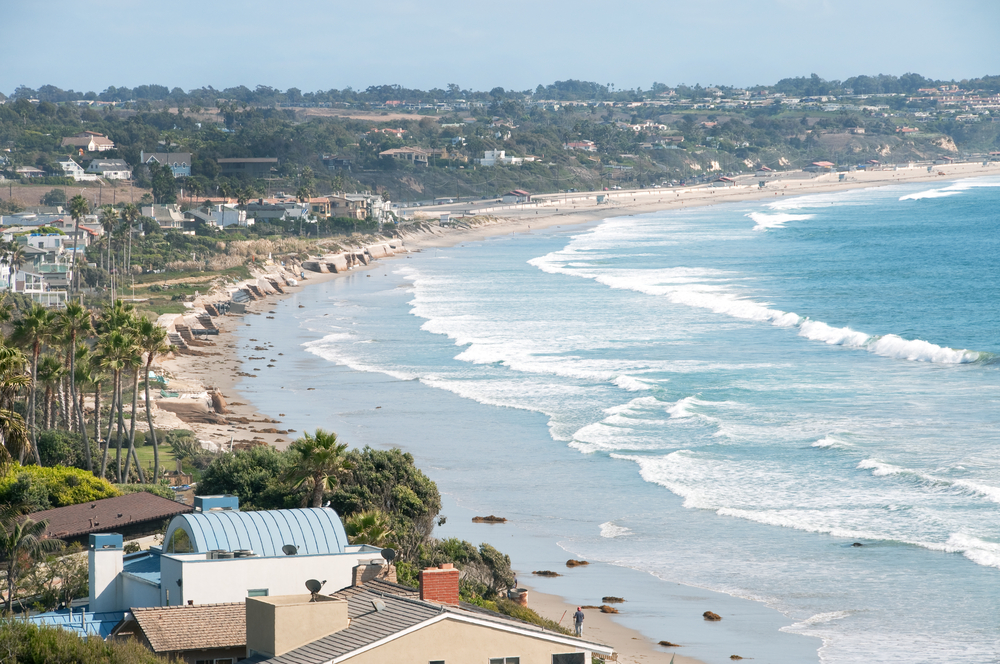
(130, 214)
(50, 372)
(13, 256)
(133, 361)
(109, 217)
(369, 527)
(152, 340)
(319, 460)
(32, 330)
(21, 542)
(74, 323)
(78, 207)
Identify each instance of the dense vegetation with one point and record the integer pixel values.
(25, 643)
(265, 122)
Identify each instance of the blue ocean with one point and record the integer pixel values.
(729, 398)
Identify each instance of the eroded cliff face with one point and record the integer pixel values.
(946, 143)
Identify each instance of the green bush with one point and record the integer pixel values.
(161, 490)
(57, 486)
(515, 610)
(62, 448)
(25, 643)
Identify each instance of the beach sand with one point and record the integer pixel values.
(218, 367)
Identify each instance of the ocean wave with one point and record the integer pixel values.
(610, 530)
(768, 221)
(632, 384)
(829, 442)
(931, 193)
(818, 619)
(711, 290)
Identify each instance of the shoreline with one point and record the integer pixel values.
(227, 353)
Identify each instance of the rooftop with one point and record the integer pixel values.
(101, 516)
(198, 627)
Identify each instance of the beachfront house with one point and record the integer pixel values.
(516, 196)
(74, 170)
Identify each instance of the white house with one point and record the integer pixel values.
(219, 554)
(74, 170)
(91, 141)
(494, 157)
(111, 169)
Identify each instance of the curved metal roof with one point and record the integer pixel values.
(313, 531)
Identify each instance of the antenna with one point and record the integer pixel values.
(389, 554)
(314, 586)
(379, 605)
(289, 549)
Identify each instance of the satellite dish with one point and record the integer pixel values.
(290, 549)
(379, 605)
(314, 586)
(389, 554)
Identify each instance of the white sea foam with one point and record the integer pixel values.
(609, 529)
(990, 492)
(768, 221)
(931, 193)
(830, 442)
(632, 384)
(917, 350)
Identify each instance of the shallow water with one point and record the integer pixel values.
(724, 397)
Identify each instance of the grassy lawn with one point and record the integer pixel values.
(144, 453)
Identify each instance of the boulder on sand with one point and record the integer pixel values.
(576, 563)
(708, 615)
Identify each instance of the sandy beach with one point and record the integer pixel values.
(224, 361)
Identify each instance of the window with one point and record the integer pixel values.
(257, 592)
(224, 660)
(436, 661)
(569, 658)
(180, 542)
(503, 660)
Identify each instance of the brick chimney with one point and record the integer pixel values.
(439, 584)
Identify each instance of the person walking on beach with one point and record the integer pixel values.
(578, 621)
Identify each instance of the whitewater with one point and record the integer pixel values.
(729, 398)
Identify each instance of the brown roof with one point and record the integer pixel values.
(198, 627)
(102, 516)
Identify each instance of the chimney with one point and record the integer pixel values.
(439, 584)
(105, 559)
(276, 625)
(366, 570)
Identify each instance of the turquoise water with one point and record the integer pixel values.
(725, 397)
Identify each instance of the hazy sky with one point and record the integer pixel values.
(323, 44)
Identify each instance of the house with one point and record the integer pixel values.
(516, 196)
(74, 170)
(820, 167)
(29, 172)
(320, 207)
(333, 162)
(218, 554)
(372, 622)
(89, 141)
(167, 216)
(111, 169)
(133, 515)
(494, 157)
(356, 206)
(723, 182)
(906, 130)
(249, 167)
(764, 171)
(586, 146)
(191, 633)
(179, 162)
(416, 156)
(221, 216)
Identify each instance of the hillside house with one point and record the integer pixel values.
(74, 170)
(179, 162)
(89, 141)
(416, 156)
(110, 169)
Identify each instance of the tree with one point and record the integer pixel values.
(319, 461)
(109, 219)
(32, 330)
(50, 373)
(370, 527)
(152, 341)
(14, 439)
(22, 542)
(74, 322)
(254, 476)
(78, 207)
(163, 184)
(54, 197)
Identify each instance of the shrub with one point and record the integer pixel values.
(57, 486)
(161, 490)
(32, 644)
(62, 448)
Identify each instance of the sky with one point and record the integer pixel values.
(518, 44)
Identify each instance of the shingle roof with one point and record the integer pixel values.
(368, 626)
(198, 627)
(101, 516)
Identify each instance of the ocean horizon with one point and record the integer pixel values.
(790, 403)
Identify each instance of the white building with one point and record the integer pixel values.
(219, 554)
(74, 170)
(494, 157)
(111, 169)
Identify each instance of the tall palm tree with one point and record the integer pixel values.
(22, 541)
(50, 373)
(152, 340)
(74, 323)
(13, 256)
(130, 214)
(134, 363)
(114, 349)
(31, 330)
(109, 217)
(14, 442)
(319, 461)
(78, 207)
